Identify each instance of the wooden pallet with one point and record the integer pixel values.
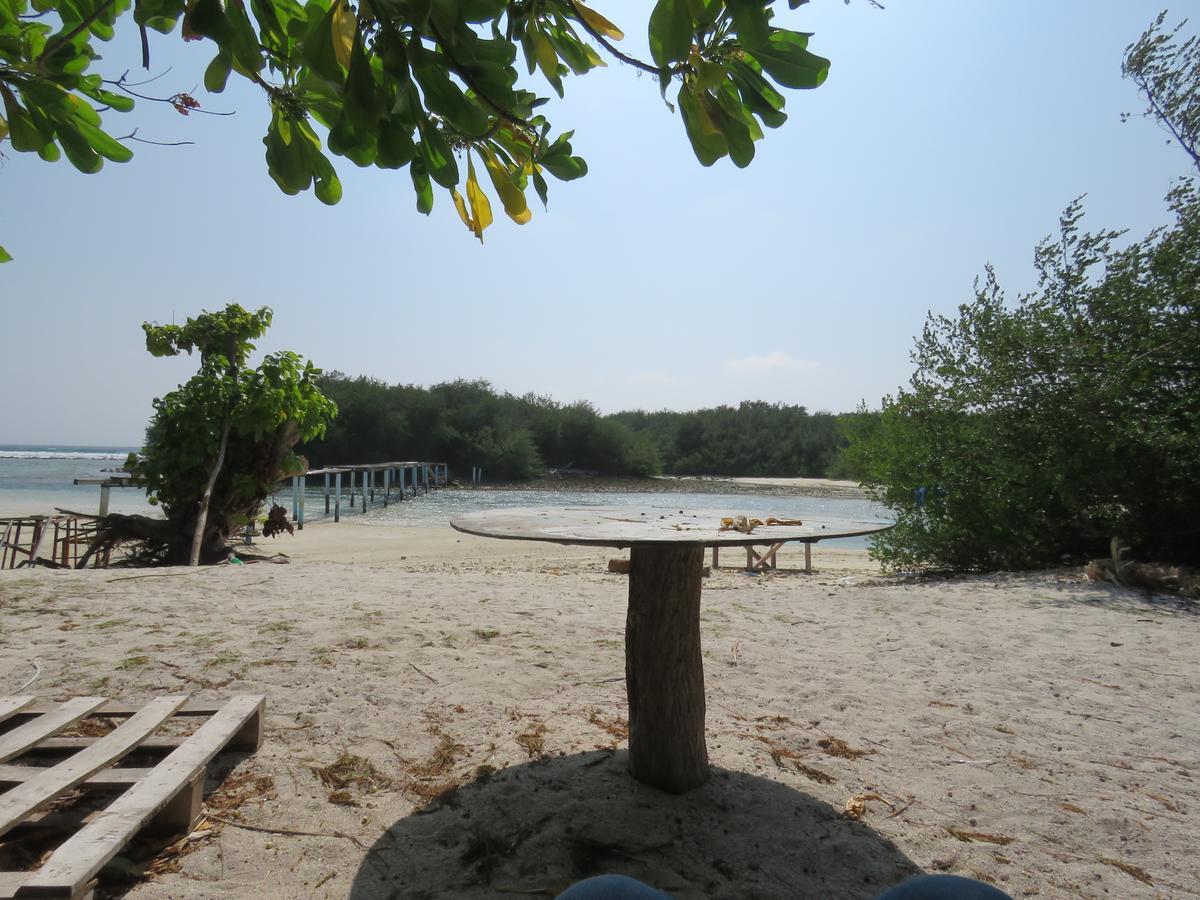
(166, 796)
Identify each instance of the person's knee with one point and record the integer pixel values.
(611, 887)
(943, 887)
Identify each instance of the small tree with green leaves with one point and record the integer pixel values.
(217, 445)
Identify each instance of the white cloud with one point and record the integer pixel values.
(771, 362)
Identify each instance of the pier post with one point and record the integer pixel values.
(387, 479)
(337, 503)
(104, 492)
(303, 482)
(364, 491)
(372, 474)
(295, 497)
(326, 493)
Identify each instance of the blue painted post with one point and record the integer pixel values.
(387, 484)
(303, 490)
(295, 497)
(372, 471)
(337, 503)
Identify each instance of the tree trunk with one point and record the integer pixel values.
(664, 672)
(206, 498)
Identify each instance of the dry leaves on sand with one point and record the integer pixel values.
(856, 806)
(349, 771)
(969, 836)
(837, 747)
(1134, 871)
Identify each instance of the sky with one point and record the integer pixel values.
(950, 134)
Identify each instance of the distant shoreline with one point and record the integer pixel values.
(682, 484)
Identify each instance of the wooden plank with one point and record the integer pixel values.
(60, 744)
(43, 547)
(10, 883)
(10, 706)
(21, 738)
(50, 782)
(81, 856)
(10, 776)
(115, 710)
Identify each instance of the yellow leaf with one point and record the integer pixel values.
(547, 59)
(598, 22)
(344, 26)
(461, 205)
(3, 128)
(481, 207)
(511, 196)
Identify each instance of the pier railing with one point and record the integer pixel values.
(388, 480)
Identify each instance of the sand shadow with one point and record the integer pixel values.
(531, 830)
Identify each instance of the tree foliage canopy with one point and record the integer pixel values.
(419, 84)
(262, 411)
(1046, 428)
(467, 423)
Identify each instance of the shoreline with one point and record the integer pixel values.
(11, 508)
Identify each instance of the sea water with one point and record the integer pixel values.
(38, 479)
(438, 506)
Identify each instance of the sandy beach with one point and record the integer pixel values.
(445, 719)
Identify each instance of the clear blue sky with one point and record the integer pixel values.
(950, 133)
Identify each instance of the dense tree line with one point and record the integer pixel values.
(753, 438)
(467, 423)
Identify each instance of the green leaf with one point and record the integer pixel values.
(104, 144)
(22, 131)
(708, 142)
(317, 47)
(437, 156)
(4, 256)
(785, 59)
(244, 37)
(670, 31)
(79, 151)
(287, 155)
(758, 94)
(737, 135)
(206, 18)
(750, 21)
(539, 185)
(420, 180)
(217, 73)
(361, 96)
(396, 147)
(326, 185)
(445, 98)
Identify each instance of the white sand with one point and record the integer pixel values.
(1062, 716)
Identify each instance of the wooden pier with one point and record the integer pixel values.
(365, 481)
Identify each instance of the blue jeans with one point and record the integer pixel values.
(925, 887)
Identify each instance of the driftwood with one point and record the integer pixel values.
(1182, 580)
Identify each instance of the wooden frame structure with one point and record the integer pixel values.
(765, 561)
(365, 480)
(57, 539)
(167, 796)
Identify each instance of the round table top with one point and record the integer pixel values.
(624, 526)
